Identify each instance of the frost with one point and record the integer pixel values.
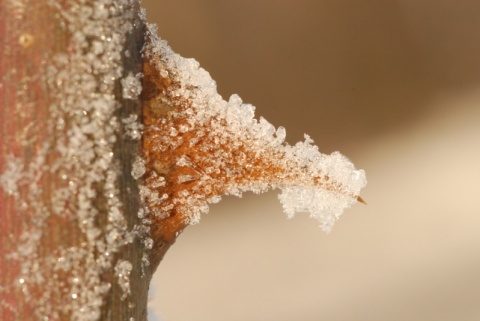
(132, 86)
(138, 168)
(206, 146)
(12, 175)
(148, 243)
(122, 271)
(133, 128)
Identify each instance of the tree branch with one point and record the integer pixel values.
(71, 236)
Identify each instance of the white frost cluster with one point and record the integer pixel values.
(323, 204)
(122, 271)
(132, 86)
(133, 128)
(11, 176)
(138, 168)
(323, 185)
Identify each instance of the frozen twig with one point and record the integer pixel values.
(197, 147)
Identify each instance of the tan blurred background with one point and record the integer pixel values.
(395, 86)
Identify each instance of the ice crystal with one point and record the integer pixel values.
(123, 270)
(133, 128)
(132, 86)
(138, 168)
(13, 174)
(203, 147)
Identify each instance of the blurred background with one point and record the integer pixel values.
(393, 85)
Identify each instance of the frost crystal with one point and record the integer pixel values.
(204, 146)
(13, 174)
(133, 128)
(138, 168)
(122, 271)
(132, 86)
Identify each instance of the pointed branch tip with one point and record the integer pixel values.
(361, 200)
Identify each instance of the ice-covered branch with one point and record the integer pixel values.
(198, 147)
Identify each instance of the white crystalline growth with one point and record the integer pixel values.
(249, 154)
(323, 204)
(133, 127)
(131, 86)
(122, 271)
(11, 176)
(138, 168)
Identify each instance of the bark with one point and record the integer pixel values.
(72, 245)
